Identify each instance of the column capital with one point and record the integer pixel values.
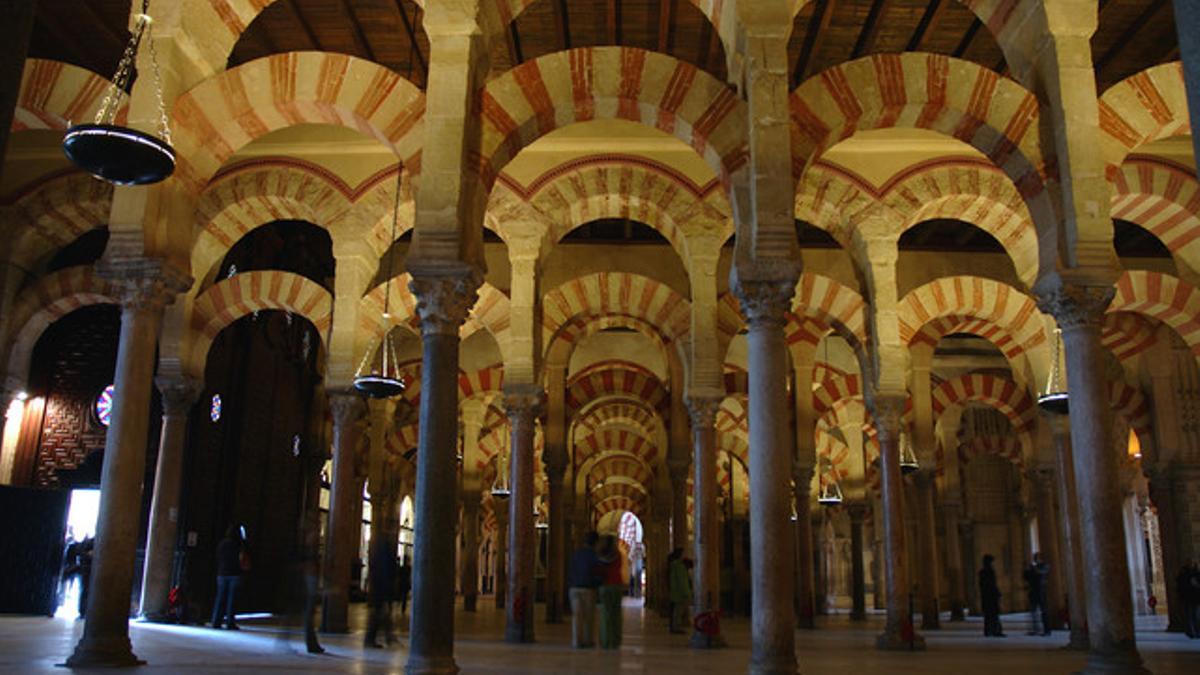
(523, 401)
(144, 284)
(678, 470)
(765, 302)
(702, 408)
(445, 296)
(178, 393)
(346, 408)
(888, 412)
(857, 511)
(1074, 304)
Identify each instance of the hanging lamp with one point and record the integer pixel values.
(116, 153)
(378, 375)
(500, 488)
(908, 458)
(1055, 399)
(831, 490)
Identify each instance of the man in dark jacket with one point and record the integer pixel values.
(989, 598)
(583, 578)
(381, 592)
(230, 563)
(1035, 585)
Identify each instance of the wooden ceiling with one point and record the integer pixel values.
(1132, 34)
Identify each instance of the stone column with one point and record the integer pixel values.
(469, 582)
(887, 412)
(773, 578)
(1048, 538)
(707, 580)
(858, 581)
(927, 543)
(556, 566)
(15, 31)
(521, 403)
(1187, 17)
(500, 572)
(1072, 550)
(342, 530)
(1079, 311)
(955, 576)
(444, 298)
(805, 611)
(178, 395)
(145, 287)
(1161, 495)
(679, 494)
(966, 528)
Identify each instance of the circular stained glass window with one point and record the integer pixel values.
(104, 405)
(214, 411)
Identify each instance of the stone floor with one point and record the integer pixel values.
(35, 645)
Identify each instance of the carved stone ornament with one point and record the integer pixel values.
(445, 300)
(765, 303)
(888, 412)
(523, 403)
(178, 394)
(145, 284)
(703, 410)
(346, 408)
(1075, 305)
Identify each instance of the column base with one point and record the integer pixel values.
(701, 641)
(783, 667)
(894, 640)
(111, 652)
(469, 602)
(1078, 642)
(440, 665)
(1114, 663)
(858, 615)
(517, 635)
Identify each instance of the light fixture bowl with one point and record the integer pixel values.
(908, 467)
(1055, 403)
(501, 493)
(378, 386)
(119, 154)
(829, 501)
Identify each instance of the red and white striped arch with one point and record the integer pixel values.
(1126, 334)
(1144, 107)
(1004, 447)
(231, 299)
(55, 95)
(616, 464)
(619, 380)
(820, 304)
(974, 298)
(616, 440)
(1001, 393)
(225, 112)
(1164, 198)
(579, 85)
(619, 412)
(1162, 297)
(56, 212)
(605, 294)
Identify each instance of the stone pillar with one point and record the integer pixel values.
(898, 627)
(679, 494)
(145, 287)
(444, 298)
(521, 403)
(1069, 525)
(469, 582)
(1187, 18)
(556, 566)
(1048, 538)
(500, 571)
(15, 31)
(342, 530)
(858, 581)
(1161, 495)
(707, 580)
(1079, 311)
(927, 543)
(954, 561)
(383, 485)
(966, 529)
(773, 578)
(805, 610)
(178, 395)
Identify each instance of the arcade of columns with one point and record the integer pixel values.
(699, 377)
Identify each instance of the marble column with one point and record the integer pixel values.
(966, 530)
(15, 31)
(927, 543)
(556, 565)
(1048, 538)
(1187, 17)
(344, 525)
(500, 580)
(521, 403)
(955, 577)
(858, 581)
(772, 543)
(178, 395)
(444, 299)
(679, 494)
(898, 627)
(145, 288)
(805, 610)
(1068, 518)
(1161, 495)
(469, 581)
(1079, 311)
(383, 485)
(707, 580)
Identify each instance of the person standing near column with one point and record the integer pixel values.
(681, 591)
(231, 562)
(1035, 584)
(989, 598)
(612, 588)
(584, 580)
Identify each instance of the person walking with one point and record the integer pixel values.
(989, 598)
(381, 592)
(583, 578)
(1035, 585)
(232, 561)
(1188, 587)
(403, 586)
(681, 590)
(612, 588)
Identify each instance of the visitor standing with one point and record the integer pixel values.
(1035, 585)
(681, 590)
(1188, 587)
(637, 554)
(381, 591)
(583, 578)
(989, 598)
(232, 561)
(612, 588)
(403, 586)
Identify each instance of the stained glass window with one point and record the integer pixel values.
(104, 405)
(296, 445)
(214, 411)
